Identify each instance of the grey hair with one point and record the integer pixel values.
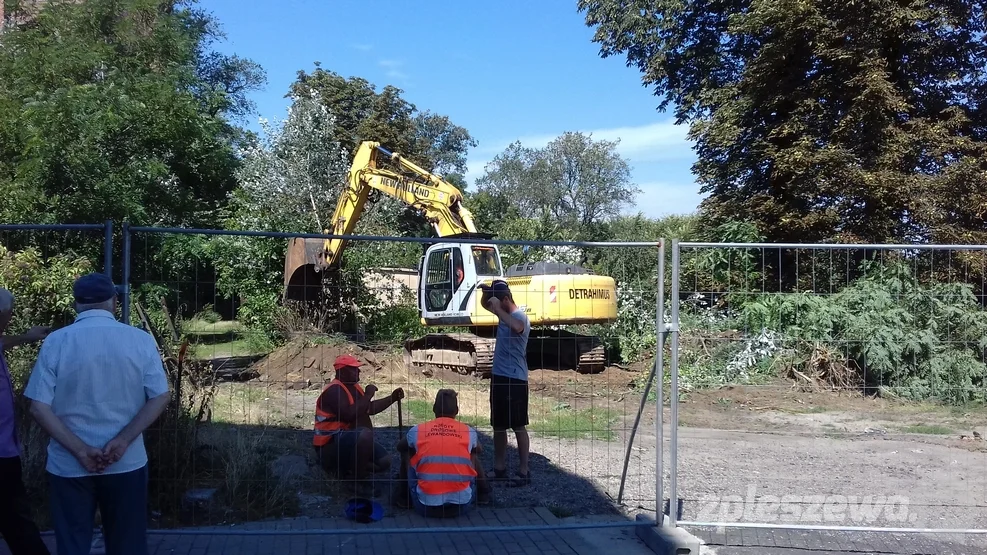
(6, 300)
(106, 305)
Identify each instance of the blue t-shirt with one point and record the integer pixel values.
(511, 350)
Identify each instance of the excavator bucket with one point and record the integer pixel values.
(303, 264)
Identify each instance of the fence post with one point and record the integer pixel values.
(659, 390)
(108, 248)
(673, 501)
(125, 282)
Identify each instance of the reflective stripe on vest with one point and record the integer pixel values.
(442, 457)
(326, 423)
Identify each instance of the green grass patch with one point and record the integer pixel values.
(420, 410)
(927, 429)
(567, 423)
(556, 421)
(203, 327)
(234, 348)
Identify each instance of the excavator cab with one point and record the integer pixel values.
(450, 276)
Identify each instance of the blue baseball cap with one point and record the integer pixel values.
(93, 289)
(363, 510)
(499, 289)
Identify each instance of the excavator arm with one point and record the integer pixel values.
(440, 201)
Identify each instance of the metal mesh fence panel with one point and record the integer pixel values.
(830, 385)
(250, 343)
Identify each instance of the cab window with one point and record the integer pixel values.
(486, 262)
(438, 280)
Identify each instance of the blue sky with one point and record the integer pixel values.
(505, 70)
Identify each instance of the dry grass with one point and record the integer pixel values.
(821, 368)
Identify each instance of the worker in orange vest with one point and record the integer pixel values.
(344, 435)
(440, 459)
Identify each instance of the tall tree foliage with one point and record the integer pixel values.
(363, 114)
(118, 109)
(289, 181)
(822, 118)
(575, 181)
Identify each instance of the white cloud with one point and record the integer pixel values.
(655, 142)
(392, 69)
(362, 47)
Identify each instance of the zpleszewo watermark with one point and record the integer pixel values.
(848, 510)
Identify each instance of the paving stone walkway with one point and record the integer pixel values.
(752, 541)
(560, 542)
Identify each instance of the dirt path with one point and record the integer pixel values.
(823, 458)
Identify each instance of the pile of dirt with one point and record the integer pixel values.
(303, 364)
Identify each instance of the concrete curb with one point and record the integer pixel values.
(667, 540)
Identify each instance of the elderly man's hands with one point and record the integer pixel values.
(397, 395)
(92, 459)
(113, 451)
(97, 460)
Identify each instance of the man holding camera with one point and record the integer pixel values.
(509, 382)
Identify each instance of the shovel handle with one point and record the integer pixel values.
(400, 417)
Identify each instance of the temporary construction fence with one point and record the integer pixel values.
(236, 446)
(878, 422)
(863, 337)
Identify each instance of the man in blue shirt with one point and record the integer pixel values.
(509, 382)
(96, 386)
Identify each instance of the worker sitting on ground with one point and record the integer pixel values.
(344, 435)
(440, 463)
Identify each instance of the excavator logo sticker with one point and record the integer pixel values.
(589, 294)
(552, 297)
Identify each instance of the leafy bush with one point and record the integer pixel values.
(913, 340)
(633, 336)
(43, 291)
(395, 324)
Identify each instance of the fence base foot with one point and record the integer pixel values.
(667, 540)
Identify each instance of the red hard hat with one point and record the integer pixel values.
(343, 361)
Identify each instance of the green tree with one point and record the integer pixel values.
(574, 181)
(363, 114)
(813, 120)
(289, 181)
(118, 109)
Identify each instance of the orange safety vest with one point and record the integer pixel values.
(442, 457)
(326, 423)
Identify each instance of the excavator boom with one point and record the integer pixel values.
(439, 200)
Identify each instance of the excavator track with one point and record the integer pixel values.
(471, 354)
(462, 353)
(563, 350)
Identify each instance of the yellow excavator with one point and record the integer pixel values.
(551, 294)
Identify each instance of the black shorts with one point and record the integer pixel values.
(508, 403)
